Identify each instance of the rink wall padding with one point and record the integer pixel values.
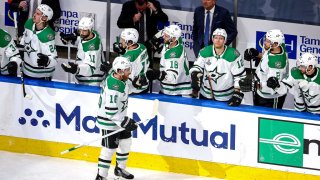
(187, 136)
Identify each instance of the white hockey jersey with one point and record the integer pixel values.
(139, 60)
(8, 51)
(113, 103)
(272, 65)
(224, 72)
(89, 58)
(174, 62)
(35, 42)
(306, 90)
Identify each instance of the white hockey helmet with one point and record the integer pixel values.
(46, 11)
(172, 31)
(86, 23)
(306, 60)
(130, 34)
(220, 32)
(275, 36)
(121, 63)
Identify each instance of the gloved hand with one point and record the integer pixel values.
(250, 53)
(118, 49)
(105, 67)
(128, 124)
(246, 84)
(196, 78)
(150, 74)
(43, 60)
(139, 81)
(70, 67)
(12, 68)
(65, 38)
(236, 99)
(153, 74)
(273, 83)
(162, 75)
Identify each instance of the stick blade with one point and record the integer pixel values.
(28, 96)
(155, 107)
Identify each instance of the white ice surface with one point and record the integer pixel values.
(15, 166)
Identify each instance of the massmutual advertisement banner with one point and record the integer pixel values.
(195, 129)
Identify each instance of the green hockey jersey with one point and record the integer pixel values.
(8, 51)
(113, 103)
(89, 58)
(139, 65)
(306, 90)
(174, 62)
(221, 73)
(272, 65)
(35, 42)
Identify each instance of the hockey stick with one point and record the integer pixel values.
(253, 83)
(154, 113)
(27, 96)
(254, 86)
(209, 79)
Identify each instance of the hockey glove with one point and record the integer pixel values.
(162, 75)
(43, 60)
(105, 67)
(65, 38)
(128, 124)
(246, 84)
(236, 99)
(12, 68)
(273, 83)
(118, 49)
(250, 53)
(196, 78)
(70, 67)
(139, 81)
(151, 75)
(156, 74)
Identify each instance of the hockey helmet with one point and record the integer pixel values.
(306, 60)
(86, 23)
(130, 34)
(46, 10)
(220, 32)
(275, 36)
(172, 31)
(121, 63)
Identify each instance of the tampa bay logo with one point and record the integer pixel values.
(291, 42)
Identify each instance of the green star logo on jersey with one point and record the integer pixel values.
(124, 106)
(215, 75)
(29, 49)
(307, 95)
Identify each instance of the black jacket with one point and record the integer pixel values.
(221, 19)
(129, 10)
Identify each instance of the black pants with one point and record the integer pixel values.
(275, 103)
(112, 141)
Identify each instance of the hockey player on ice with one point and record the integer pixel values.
(217, 71)
(274, 63)
(174, 73)
(40, 56)
(304, 80)
(9, 53)
(138, 56)
(112, 115)
(89, 56)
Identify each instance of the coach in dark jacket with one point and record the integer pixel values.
(220, 18)
(131, 16)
